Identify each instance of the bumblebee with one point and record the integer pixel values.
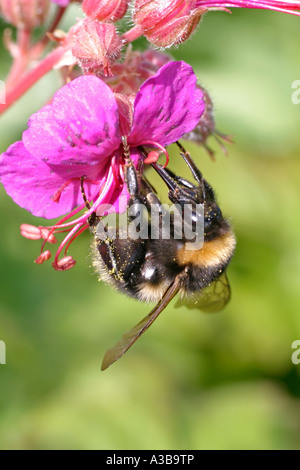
(157, 269)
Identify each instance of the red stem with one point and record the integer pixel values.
(40, 46)
(28, 80)
(22, 57)
(131, 35)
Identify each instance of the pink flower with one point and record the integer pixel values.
(128, 76)
(80, 136)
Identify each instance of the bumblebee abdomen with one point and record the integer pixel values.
(212, 253)
(206, 264)
(118, 262)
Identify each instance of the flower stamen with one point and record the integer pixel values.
(43, 257)
(151, 143)
(116, 171)
(83, 192)
(32, 232)
(58, 193)
(79, 232)
(73, 228)
(152, 157)
(64, 263)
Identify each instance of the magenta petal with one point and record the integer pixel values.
(81, 125)
(32, 184)
(167, 106)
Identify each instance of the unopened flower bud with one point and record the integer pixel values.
(94, 45)
(105, 10)
(26, 14)
(167, 22)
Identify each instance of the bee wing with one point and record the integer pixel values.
(130, 337)
(212, 298)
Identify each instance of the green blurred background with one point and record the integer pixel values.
(194, 381)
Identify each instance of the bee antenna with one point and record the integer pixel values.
(195, 171)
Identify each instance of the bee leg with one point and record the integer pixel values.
(206, 189)
(132, 181)
(182, 181)
(177, 194)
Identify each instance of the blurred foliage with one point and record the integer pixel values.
(194, 381)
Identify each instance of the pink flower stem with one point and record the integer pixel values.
(284, 7)
(28, 80)
(38, 48)
(75, 235)
(21, 59)
(61, 224)
(67, 241)
(131, 35)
